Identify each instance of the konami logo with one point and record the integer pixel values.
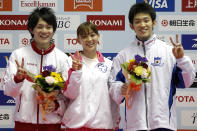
(82, 5)
(189, 5)
(13, 22)
(108, 22)
(5, 5)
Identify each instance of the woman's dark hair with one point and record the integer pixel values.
(85, 27)
(46, 14)
(141, 8)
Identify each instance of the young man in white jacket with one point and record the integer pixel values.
(40, 52)
(154, 106)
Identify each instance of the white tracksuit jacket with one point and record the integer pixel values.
(89, 96)
(24, 94)
(154, 106)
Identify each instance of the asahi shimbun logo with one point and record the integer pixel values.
(13, 22)
(82, 5)
(29, 5)
(108, 22)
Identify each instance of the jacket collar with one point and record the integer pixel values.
(42, 52)
(147, 43)
(99, 55)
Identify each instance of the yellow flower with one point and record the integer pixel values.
(138, 70)
(133, 60)
(57, 77)
(38, 76)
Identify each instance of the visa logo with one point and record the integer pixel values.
(160, 5)
(189, 42)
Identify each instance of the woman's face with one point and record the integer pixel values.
(143, 26)
(89, 42)
(43, 32)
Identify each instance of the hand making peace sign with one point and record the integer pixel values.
(177, 50)
(76, 65)
(21, 72)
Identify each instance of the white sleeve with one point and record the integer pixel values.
(73, 87)
(115, 82)
(188, 70)
(9, 86)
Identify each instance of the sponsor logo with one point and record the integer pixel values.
(68, 22)
(6, 41)
(1, 4)
(10, 101)
(31, 4)
(6, 117)
(108, 22)
(5, 5)
(178, 22)
(13, 22)
(186, 98)
(189, 42)
(6, 100)
(109, 55)
(72, 44)
(83, 5)
(189, 118)
(160, 5)
(3, 59)
(189, 5)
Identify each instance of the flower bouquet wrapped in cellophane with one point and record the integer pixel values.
(48, 85)
(136, 71)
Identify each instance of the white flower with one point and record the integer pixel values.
(50, 80)
(144, 74)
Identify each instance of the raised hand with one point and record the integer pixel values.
(76, 65)
(177, 50)
(21, 72)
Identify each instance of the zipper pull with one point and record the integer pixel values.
(42, 52)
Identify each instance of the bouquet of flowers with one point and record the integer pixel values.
(48, 85)
(136, 71)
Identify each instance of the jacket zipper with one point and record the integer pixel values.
(145, 90)
(38, 109)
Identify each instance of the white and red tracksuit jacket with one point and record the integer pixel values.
(26, 103)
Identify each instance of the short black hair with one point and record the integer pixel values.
(84, 28)
(47, 14)
(141, 8)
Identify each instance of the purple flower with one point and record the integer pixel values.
(138, 58)
(50, 68)
(144, 59)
